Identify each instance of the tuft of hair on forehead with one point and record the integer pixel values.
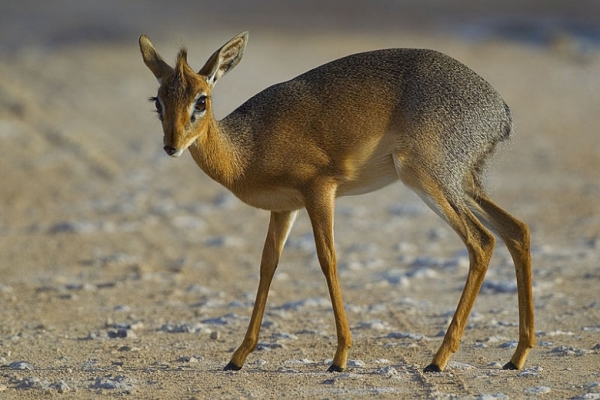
(182, 60)
(182, 55)
(181, 71)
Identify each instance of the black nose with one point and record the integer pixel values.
(169, 150)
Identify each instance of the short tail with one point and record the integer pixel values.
(508, 128)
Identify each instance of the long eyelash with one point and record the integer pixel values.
(156, 110)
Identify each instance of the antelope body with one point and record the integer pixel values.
(348, 127)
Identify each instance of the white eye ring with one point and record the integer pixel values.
(198, 107)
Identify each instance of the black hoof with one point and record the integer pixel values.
(432, 368)
(510, 365)
(231, 367)
(335, 368)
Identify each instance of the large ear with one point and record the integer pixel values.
(224, 59)
(153, 60)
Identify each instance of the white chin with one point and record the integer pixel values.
(179, 153)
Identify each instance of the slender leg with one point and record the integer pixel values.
(480, 245)
(449, 204)
(279, 228)
(447, 198)
(515, 235)
(320, 207)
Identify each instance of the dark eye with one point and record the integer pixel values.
(200, 104)
(157, 105)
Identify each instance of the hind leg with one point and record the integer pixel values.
(480, 245)
(449, 204)
(515, 234)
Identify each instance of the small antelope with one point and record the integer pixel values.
(349, 127)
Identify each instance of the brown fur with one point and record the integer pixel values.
(353, 126)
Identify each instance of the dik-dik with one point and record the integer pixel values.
(349, 127)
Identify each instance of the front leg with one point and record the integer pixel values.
(320, 206)
(279, 229)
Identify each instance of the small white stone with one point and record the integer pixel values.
(537, 390)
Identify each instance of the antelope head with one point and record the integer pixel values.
(183, 101)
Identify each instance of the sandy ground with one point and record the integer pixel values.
(126, 273)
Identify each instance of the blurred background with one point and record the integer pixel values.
(71, 22)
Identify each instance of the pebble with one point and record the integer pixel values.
(303, 361)
(341, 377)
(374, 324)
(494, 339)
(119, 382)
(224, 320)
(568, 351)
(495, 396)
(355, 364)
(511, 344)
(129, 348)
(90, 365)
(215, 335)
(61, 387)
(32, 382)
(588, 396)
(309, 302)
(189, 359)
(81, 286)
(215, 321)
(404, 335)
(559, 333)
(531, 372)
(537, 390)
(121, 334)
(240, 304)
(388, 371)
(593, 329)
(268, 346)
(460, 366)
(97, 336)
(259, 362)
(77, 227)
(20, 365)
(284, 336)
(396, 277)
(269, 324)
(126, 325)
(182, 328)
(382, 361)
(497, 287)
(209, 303)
